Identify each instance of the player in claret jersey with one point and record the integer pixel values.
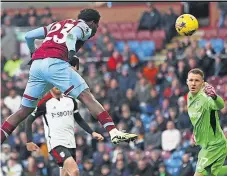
(51, 67)
(203, 105)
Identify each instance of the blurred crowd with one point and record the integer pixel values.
(153, 19)
(142, 97)
(27, 18)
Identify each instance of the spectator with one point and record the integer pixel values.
(142, 90)
(143, 169)
(18, 19)
(182, 71)
(171, 137)
(153, 137)
(7, 21)
(12, 168)
(155, 161)
(102, 41)
(209, 50)
(224, 50)
(193, 150)
(98, 155)
(192, 63)
(223, 12)
(32, 22)
(184, 119)
(206, 63)
(125, 80)
(126, 53)
(126, 117)
(12, 66)
(93, 77)
(173, 115)
(138, 128)
(13, 101)
(109, 50)
(131, 100)
(150, 20)
(3, 14)
(150, 72)
(105, 171)
(115, 61)
(95, 52)
(154, 99)
(3, 61)
(171, 58)
(168, 24)
(162, 171)
(186, 167)
(121, 169)
(88, 168)
(161, 121)
(5, 153)
(114, 94)
(47, 12)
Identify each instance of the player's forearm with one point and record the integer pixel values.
(28, 127)
(82, 123)
(30, 37)
(219, 102)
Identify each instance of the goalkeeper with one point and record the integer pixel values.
(203, 105)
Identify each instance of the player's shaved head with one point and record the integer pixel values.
(89, 15)
(197, 71)
(195, 80)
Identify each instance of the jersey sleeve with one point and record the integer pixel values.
(80, 32)
(30, 37)
(86, 31)
(217, 104)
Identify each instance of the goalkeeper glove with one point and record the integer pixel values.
(73, 60)
(210, 91)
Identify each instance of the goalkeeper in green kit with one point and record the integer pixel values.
(203, 105)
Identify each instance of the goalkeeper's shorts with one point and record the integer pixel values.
(211, 159)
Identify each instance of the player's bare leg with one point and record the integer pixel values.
(70, 168)
(97, 110)
(13, 121)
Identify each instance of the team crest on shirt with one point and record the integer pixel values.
(62, 154)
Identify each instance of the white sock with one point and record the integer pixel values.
(114, 132)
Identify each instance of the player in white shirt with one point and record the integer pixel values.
(60, 113)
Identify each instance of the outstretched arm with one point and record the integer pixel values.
(81, 122)
(86, 127)
(28, 128)
(215, 101)
(38, 33)
(30, 37)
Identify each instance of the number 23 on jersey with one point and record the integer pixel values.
(59, 37)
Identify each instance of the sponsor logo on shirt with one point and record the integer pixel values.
(61, 114)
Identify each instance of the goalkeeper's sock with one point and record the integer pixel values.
(6, 130)
(106, 121)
